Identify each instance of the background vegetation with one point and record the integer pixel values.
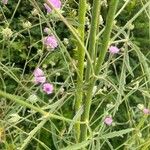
(124, 81)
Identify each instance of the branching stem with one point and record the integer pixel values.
(105, 43)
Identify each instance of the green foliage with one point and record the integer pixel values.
(123, 83)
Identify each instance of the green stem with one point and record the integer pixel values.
(105, 44)
(2, 50)
(92, 39)
(14, 12)
(80, 64)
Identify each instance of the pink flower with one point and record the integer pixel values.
(38, 72)
(108, 121)
(50, 42)
(4, 2)
(55, 3)
(38, 80)
(146, 111)
(39, 76)
(48, 88)
(113, 50)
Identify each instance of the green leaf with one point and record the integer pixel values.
(116, 133)
(54, 137)
(75, 118)
(77, 146)
(127, 63)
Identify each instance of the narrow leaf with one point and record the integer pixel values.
(116, 133)
(77, 146)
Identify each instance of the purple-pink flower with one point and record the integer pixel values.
(146, 111)
(4, 2)
(50, 42)
(38, 80)
(108, 121)
(38, 72)
(114, 50)
(48, 88)
(39, 76)
(55, 3)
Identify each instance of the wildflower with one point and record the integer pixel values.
(108, 121)
(38, 72)
(50, 42)
(113, 50)
(146, 111)
(39, 76)
(55, 3)
(48, 88)
(39, 79)
(4, 2)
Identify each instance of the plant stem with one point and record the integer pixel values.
(105, 44)
(80, 64)
(92, 39)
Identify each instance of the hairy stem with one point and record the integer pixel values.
(105, 43)
(92, 37)
(80, 64)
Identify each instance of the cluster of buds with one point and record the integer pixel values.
(7, 33)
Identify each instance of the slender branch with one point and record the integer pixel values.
(105, 43)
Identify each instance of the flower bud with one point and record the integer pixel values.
(27, 24)
(140, 106)
(34, 12)
(7, 33)
(66, 41)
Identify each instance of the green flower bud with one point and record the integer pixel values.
(7, 33)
